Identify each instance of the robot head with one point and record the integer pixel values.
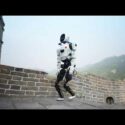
(64, 39)
(67, 39)
(64, 42)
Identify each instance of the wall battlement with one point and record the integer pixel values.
(26, 82)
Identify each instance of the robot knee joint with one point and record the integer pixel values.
(65, 86)
(69, 77)
(57, 86)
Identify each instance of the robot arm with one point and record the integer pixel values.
(58, 60)
(73, 65)
(73, 59)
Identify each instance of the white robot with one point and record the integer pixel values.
(65, 65)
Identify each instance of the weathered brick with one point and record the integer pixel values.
(98, 96)
(30, 83)
(53, 93)
(103, 89)
(42, 84)
(39, 83)
(31, 79)
(101, 100)
(15, 87)
(51, 88)
(4, 86)
(79, 83)
(30, 93)
(86, 91)
(19, 69)
(40, 76)
(33, 75)
(17, 82)
(79, 94)
(7, 67)
(5, 71)
(3, 81)
(41, 93)
(17, 77)
(2, 91)
(53, 84)
(43, 89)
(94, 87)
(20, 74)
(44, 80)
(31, 71)
(15, 92)
(52, 81)
(5, 76)
(29, 88)
(94, 95)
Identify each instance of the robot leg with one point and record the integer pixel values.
(59, 78)
(68, 78)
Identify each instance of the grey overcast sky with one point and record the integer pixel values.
(32, 41)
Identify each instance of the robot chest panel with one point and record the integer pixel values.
(64, 53)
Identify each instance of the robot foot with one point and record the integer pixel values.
(72, 97)
(60, 99)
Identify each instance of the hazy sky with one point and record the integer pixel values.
(32, 41)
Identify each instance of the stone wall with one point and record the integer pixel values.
(26, 82)
(98, 89)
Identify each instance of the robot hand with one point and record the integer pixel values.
(74, 72)
(71, 70)
(58, 70)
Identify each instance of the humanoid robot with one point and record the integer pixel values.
(65, 65)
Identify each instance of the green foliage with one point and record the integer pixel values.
(112, 68)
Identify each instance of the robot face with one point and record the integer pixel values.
(64, 39)
(64, 46)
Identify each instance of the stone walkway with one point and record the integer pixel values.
(51, 103)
